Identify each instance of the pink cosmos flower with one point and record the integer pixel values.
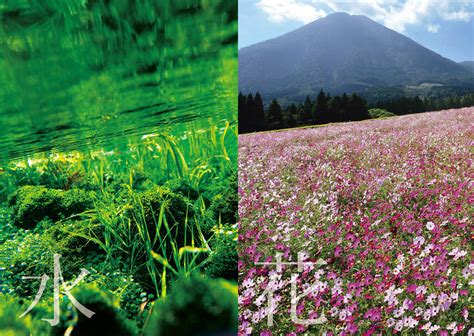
(337, 251)
(301, 328)
(373, 314)
(352, 328)
(411, 288)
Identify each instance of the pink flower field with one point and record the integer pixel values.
(380, 211)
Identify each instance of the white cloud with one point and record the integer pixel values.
(433, 28)
(290, 10)
(461, 15)
(395, 14)
(409, 13)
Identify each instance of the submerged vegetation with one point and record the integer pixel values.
(118, 150)
(213, 303)
(137, 220)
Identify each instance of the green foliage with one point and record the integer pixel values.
(31, 204)
(223, 260)
(290, 116)
(184, 188)
(100, 154)
(223, 202)
(107, 320)
(145, 217)
(306, 111)
(328, 109)
(71, 236)
(407, 104)
(31, 254)
(196, 306)
(12, 325)
(380, 113)
(177, 207)
(320, 108)
(274, 115)
(325, 109)
(132, 297)
(251, 113)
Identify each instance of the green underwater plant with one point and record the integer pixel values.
(119, 157)
(222, 262)
(177, 208)
(224, 200)
(138, 220)
(32, 204)
(107, 320)
(196, 306)
(11, 325)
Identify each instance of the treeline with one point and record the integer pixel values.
(253, 116)
(325, 109)
(409, 105)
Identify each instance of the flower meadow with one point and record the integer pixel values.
(380, 211)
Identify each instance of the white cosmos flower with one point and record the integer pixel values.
(430, 226)
(426, 326)
(398, 312)
(454, 296)
(390, 322)
(419, 240)
(427, 315)
(451, 326)
(433, 328)
(399, 326)
(431, 298)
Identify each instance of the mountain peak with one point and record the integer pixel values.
(338, 14)
(343, 18)
(340, 52)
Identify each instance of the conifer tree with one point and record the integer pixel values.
(307, 111)
(258, 119)
(290, 115)
(243, 115)
(320, 109)
(275, 115)
(251, 111)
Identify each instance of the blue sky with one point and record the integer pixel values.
(444, 26)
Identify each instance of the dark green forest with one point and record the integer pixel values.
(409, 105)
(254, 116)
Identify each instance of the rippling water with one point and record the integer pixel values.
(88, 73)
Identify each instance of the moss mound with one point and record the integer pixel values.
(12, 325)
(196, 306)
(184, 188)
(70, 236)
(223, 260)
(32, 204)
(177, 208)
(224, 201)
(107, 320)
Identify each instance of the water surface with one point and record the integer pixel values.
(83, 74)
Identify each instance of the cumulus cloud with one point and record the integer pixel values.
(395, 14)
(433, 28)
(290, 10)
(461, 15)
